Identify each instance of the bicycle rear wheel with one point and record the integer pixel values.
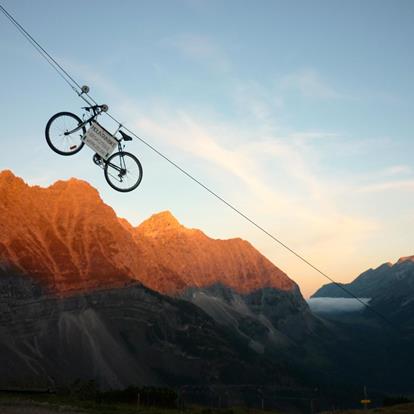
(123, 171)
(59, 136)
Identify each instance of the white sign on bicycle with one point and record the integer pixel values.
(100, 140)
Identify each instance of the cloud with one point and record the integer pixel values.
(396, 185)
(297, 194)
(269, 172)
(201, 49)
(398, 169)
(393, 178)
(313, 135)
(336, 305)
(257, 101)
(309, 84)
(181, 130)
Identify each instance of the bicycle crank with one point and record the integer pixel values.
(97, 159)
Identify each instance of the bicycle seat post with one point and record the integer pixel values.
(119, 127)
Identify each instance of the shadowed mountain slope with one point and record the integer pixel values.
(118, 337)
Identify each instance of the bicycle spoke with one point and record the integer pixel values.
(59, 137)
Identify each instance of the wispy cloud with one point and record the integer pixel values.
(397, 185)
(398, 177)
(257, 101)
(398, 170)
(276, 169)
(300, 196)
(337, 305)
(200, 48)
(309, 83)
(266, 170)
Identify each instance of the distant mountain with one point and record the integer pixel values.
(377, 345)
(390, 289)
(384, 281)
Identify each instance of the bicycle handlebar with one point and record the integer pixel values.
(103, 108)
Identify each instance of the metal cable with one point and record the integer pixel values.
(68, 79)
(251, 221)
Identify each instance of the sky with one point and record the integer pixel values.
(299, 113)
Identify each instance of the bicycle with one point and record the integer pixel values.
(66, 134)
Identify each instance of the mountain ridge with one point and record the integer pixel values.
(64, 252)
(385, 280)
(69, 238)
(84, 294)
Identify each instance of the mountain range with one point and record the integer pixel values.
(389, 288)
(380, 337)
(66, 237)
(66, 259)
(84, 294)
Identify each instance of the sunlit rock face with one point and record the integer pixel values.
(200, 261)
(65, 236)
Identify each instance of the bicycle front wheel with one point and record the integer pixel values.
(64, 133)
(123, 171)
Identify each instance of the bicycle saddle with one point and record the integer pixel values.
(125, 136)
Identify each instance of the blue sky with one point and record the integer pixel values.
(298, 112)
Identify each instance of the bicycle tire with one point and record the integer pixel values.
(64, 118)
(110, 171)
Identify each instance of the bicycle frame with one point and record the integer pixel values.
(97, 112)
(120, 151)
(82, 124)
(122, 168)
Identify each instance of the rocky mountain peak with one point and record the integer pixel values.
(160, 223)
(7, 178)
(76, 188)
(406, 259)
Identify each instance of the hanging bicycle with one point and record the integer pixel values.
(66, 134)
